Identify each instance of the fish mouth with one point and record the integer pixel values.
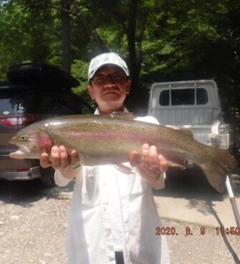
(20, 153)
(17, 154)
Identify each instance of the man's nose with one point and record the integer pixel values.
(110, 80)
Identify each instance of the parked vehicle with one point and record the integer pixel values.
(33, 92)
(191, 104)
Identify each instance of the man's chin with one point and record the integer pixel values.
(112, 105)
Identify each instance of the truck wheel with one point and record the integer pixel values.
(47, 177)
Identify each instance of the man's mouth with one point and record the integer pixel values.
(111, 92)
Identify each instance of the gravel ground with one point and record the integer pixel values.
(33, 223)
(203, 246)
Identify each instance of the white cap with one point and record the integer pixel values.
(106, 58)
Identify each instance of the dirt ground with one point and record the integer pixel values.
(33, 223)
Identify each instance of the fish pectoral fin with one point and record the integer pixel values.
(124, 169)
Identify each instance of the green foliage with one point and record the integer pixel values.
(79, 70)
(160, 40)
(21, 34)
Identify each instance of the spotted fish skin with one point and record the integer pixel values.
(109, 139)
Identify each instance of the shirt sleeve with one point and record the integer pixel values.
(160, 184)
(60, 180)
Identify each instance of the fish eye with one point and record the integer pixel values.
(23, 138)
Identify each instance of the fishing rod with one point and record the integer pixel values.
(233, 201)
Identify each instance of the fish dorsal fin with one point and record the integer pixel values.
(123, 115)
(187, 132)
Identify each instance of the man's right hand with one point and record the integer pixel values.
(60, 160)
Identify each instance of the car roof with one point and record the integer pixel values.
(9, 85)
(40, 75)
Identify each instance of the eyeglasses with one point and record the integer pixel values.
(113, 78)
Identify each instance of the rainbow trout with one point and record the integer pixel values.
(109, 139)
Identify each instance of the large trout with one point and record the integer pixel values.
(109, 139)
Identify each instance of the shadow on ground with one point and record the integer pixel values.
(190, 190)
(192, 184)
(24, 193)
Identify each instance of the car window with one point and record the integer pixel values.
(52, 103)
(41, 102)
(12, 102)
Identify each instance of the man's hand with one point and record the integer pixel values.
(149, 163)
(59, 159)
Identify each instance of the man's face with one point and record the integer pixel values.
(109, 87)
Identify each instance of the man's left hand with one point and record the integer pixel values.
(150, 163)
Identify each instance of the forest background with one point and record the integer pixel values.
(161, 40)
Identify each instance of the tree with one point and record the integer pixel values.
(160, 40)
(124, 23)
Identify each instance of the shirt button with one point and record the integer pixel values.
(91, 176)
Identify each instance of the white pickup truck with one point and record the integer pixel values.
(191, 104)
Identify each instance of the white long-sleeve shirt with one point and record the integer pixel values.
(112, 211)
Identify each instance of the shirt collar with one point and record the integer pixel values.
(98, 113)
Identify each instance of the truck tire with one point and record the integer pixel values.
(47, 177)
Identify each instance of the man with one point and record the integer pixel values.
(113, 217)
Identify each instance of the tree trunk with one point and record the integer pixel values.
(133, 61)
(66, 33)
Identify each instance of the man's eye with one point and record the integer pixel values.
(117, 77)
(100, 79)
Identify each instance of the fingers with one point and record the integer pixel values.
(74, 158)
(59, 158)
(163, 163)
(150, 159)
(134, 158)
(44, 161)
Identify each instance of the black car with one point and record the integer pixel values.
(33, 92)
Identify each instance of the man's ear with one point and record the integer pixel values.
(90, 91)
(128, 86)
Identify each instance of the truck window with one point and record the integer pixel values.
(202, 96)
(164, 98)
(183, 97)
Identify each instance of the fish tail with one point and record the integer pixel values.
(217, 167)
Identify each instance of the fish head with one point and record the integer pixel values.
(31, 142)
